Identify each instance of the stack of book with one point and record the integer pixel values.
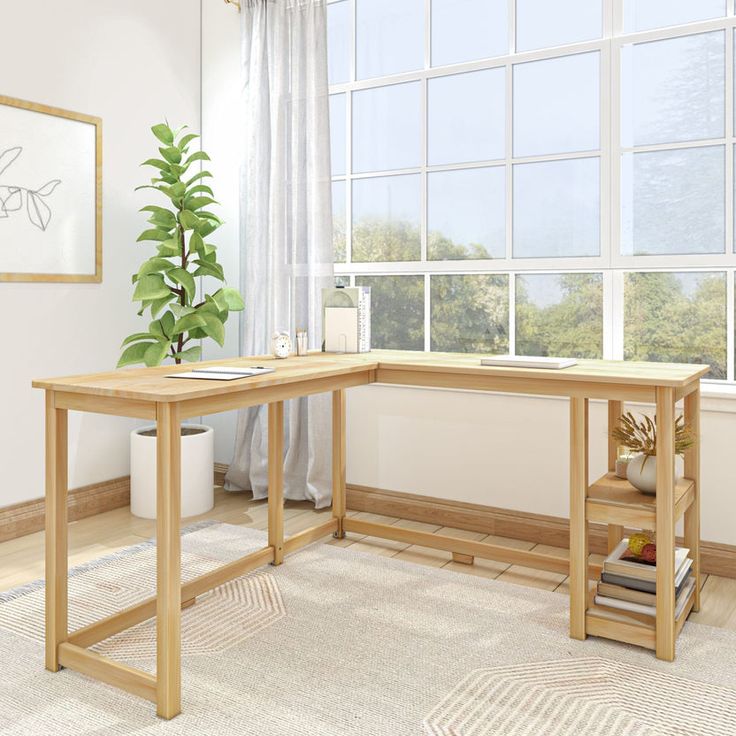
(630, 584)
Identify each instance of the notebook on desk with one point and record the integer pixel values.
(223, 372)
(528, 361)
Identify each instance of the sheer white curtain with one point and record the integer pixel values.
(286, 228)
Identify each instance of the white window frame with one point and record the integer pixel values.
(610, 262)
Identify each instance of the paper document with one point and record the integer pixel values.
(528, 361)
(223, 372)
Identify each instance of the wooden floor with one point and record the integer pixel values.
(22, 559)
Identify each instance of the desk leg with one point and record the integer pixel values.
(168, 560)
(338, 460)
(56, 532)
(615, 410)
(665, 629)
(578, 522)
(276, 480)
(692, 471)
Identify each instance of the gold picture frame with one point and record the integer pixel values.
(37, 211)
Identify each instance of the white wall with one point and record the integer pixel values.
(220, 91)
(509, 451)
(130, 63)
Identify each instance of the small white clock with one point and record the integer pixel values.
(281, 344)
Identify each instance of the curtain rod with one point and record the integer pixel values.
(236, 3)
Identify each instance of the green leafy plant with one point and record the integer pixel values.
(641, 437)
(165, 283)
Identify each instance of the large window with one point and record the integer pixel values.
(537, 177)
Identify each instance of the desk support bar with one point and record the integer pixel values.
(56, 531)
(104, 628)
(692, 470)
(168, 559)
(276, 480)
(469, 547)
(338, 460)
(107, 670)
(615, 410)
(578, 522)
(665, 625)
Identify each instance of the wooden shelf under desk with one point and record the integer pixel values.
(631, 628)
(613, 500)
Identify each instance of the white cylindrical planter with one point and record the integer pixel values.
(197, 470)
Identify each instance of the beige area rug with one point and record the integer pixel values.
(339, 642)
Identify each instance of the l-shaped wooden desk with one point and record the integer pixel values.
(147, 394)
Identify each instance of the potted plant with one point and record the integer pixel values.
(641, 438)
(165, 286)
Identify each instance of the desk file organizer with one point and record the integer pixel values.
(346, 318)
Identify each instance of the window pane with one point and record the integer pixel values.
(676, 318)
(556, 105)
(466, 213)
(339, 224)
(390, 36)
(387, 219)
(465, 30)
(673, 90)
(560, 315)
(672, 202)
(338, 42)
(466, 117)
(557, 209)
(470, 314)
(342, 280)
(640, 15)
(541, 23)
(386, 128)
(397, 311)
(338, 124)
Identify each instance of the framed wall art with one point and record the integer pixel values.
(50, 194)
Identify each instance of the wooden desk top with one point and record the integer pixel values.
(151, 384)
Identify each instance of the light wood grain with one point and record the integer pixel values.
(168, 561)
(28, 516)
(600, 622)
(588, 379)
(309, 535)
(276, 480)
(718, 603)
(57, 605)
(152, 384)
(578, 521)
(614, 500)
(106, 405)
(107, 670)
(692, 470)
(533, 577)
(79, 117)
(665, 626)
(510, 555)
(338, 459)
(617, 372)
(615, 410)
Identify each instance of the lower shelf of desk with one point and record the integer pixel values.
(631, 628)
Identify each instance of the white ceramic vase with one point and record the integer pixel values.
(641, 472)
(197, 470)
